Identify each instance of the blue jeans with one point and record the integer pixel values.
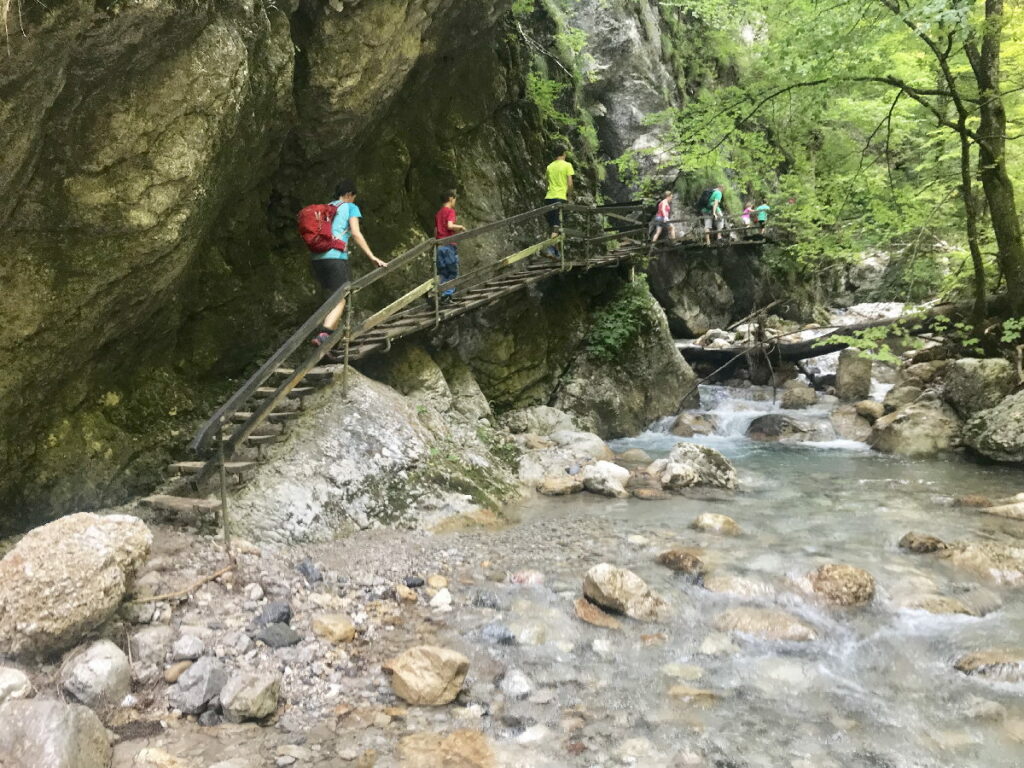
(447, 265)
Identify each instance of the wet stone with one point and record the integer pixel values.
(278, 636)
(920, 543)
(276, 612)
(498, 634)
(682, 561)
(413, 582)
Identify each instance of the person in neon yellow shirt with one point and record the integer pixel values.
(559, 179)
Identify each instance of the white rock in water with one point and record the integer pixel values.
(66, 578)
(516, 685)
(99, 677)
(442, 601)
(607, 479)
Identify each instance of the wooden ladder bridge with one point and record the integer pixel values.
(231, 442)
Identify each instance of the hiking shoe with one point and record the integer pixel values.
(447, 298)
(551, 252)
(320, 339)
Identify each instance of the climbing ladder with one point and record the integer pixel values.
(259, 412)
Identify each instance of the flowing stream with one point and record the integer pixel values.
(877, 688)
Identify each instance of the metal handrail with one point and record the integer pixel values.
(212, 426)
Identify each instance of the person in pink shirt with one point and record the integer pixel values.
(663, 217)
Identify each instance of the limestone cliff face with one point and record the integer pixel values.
(155, 153)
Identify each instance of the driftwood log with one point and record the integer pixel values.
(795, 351)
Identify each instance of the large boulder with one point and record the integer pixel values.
(45, 733)
(99, 677)
(992, 561)
(798, 396)
(538, 420)
(690, 423)
(841, 584)
(998, 433)
(900, 397)
(706, 465)
(923, 428)
(777, 427)
(428, 676)
(853, 376)
(766, 623)
(65, 579)
(973, 385)
(622, 591)
(849, 424)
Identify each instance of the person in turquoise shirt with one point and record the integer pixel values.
(713, 216)
(762, 216)
(331, 269)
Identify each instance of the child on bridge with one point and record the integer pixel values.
(447, 255)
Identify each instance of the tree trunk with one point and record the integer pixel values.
(992, 160)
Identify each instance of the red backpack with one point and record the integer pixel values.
(315, 222)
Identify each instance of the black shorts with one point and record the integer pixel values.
(331, 274)
(554, 217)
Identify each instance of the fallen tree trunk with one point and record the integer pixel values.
(793, 352)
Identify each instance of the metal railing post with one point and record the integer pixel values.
(223, 489)
(437, 290)
(348, 341)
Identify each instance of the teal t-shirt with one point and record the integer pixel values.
(340, 228)
(762, 211)
(716, 197)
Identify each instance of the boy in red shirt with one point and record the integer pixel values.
(447, 255)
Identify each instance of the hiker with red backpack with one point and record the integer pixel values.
(327, 230)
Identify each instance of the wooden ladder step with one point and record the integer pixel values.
(263, 439)
(275, 417)
(193, 467)
(314, 374)
(180, 504)
(297, 392)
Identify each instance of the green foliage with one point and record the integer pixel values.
(1012, 330)
(621, 322)
(523, 7)
(877, 343)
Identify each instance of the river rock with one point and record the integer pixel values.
(187, 648)
(690, 423)
(606, 478)
(798, 396)
(248, 696)
(457, 749)
(560, 485)
(921, 429)
(151, 644)
(900, 396)
(650, 494)
(711, 467)
(712, 522)
(1004, 665)
(66, 578)
(941, 605)
(853, 376)
(14, 684)
(841, 584)
(727, 583)
(995, 562)
(921, 543)
(923, 373)
(515, 684)
(198, 685)
(998, 433)
(277, 636)
(591, 614)
(622, 591)
(427, 676)
(682, 561)
(583, 444)
(850, 425)
(154, 757)
(45, 733)
(538, 420)
(1014, 510)
(334, 627)
(634, 457)
(773, 427)
(99, 677)
(974, 385)
(871, 410)
(767, 623)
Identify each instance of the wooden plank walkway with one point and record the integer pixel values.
(259, 412)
